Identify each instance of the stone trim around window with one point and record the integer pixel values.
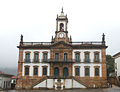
(99, 70)
(26, 56)
(34, 56)
(45, 52)
(75, 55)
(46, 69)
(85, 54)
(67, 55)
(34, 70)
(96, 52)
(25, 70)
(75, 70)
(85, 71)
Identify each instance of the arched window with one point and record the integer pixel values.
(26, 70)
(96, 71)
(61, 27)
(65, 72)
(65, 56)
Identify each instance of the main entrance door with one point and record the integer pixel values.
(56, 71)
(65, 72)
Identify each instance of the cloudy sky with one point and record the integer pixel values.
(36, 20)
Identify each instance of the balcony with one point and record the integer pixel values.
(31, 61)
(97, 60)
(86, 60)
(27, 61)
(61, 61)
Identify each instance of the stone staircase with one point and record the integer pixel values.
(81, 82)
(39, 81)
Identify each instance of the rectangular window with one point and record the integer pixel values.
(77, 57)
(86, 71)
(76, 71)
(96, 57)
(56, 56)
(87, 57)
(36, 57)
(44, 56)
(44, 70)
(27, 57)
(26, 70)
(65, 56)
(96, 71)
(35, 70)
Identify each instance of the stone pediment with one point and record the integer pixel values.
(61, 45)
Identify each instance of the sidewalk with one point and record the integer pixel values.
(114, 86)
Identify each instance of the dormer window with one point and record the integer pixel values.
(61, 27)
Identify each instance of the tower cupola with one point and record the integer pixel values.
(61, 33)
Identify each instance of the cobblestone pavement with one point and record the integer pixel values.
(113, 89)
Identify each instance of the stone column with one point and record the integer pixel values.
(20, 66)
(104, 69)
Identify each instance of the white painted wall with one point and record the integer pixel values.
(91, 54)
(40, 65)
(82, 71)
(117, 65)
(73, 56)
(42, 84)
(49, 83)
(32, 54)
(77, 85)
(52, 83)
(3, 80)
(68, 83)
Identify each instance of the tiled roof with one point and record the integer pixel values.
(116, 54)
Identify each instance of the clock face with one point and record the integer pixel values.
(61, 35)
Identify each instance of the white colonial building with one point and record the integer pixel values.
(5, 81)
(62, 63)
(117, 64)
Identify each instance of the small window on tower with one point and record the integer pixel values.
(61, 27)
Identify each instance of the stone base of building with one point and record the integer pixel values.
(60, 83)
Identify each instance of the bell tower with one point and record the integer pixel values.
(61, 33)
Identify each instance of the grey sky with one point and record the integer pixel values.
(36, 20)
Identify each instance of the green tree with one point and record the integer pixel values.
(110, 64)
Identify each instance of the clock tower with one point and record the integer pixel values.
(61, 33)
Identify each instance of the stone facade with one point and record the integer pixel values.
(61, 63)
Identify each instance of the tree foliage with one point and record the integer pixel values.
(110, 64)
